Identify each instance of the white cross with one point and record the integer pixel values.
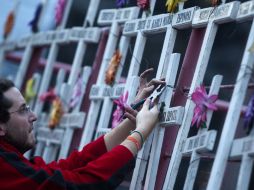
(231, 121)
(114, 17)
(211, 16)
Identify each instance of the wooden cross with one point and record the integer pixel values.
(26, 43)
(54, 38)
(114, 17)
(212, 17)
(243, 149)
(202, 142)
(44, 122)
(153, 25)
(245, 12)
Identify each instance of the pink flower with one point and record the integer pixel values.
(48, 96)
(59, 11)
(76, 95)
(118, 113)
(203, 103)
(143, 4)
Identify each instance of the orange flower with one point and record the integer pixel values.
(56, 113)
(215, 2)
(9, 23)
(112, 68)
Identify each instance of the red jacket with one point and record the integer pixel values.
(92, 168)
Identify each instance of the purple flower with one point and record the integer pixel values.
(118, 113)
(34, 22)
(249, 115)
(203, 103)
(121, 3)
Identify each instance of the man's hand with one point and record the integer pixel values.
(146, 88)
(147, 117)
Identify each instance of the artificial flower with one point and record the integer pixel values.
(215, 2)
(34, 22)
(118, 113)
(204, 102)
(121, 3)
(143, 4)
(56, 113)
(9, 23)
(48, 96)
(76, 95)
(59, 11)
(172, 4)
(112, 68)
(249, 115)
(29, 92)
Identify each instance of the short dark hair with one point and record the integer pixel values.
(5, 103)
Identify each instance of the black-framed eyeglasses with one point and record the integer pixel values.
(23, 110)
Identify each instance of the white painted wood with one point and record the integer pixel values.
(171, 71)
(51, 60)
(245, 173)
(233, 115)
(183, 19)
(26, 42)
(23, 66)
(44, 123)
(205, 140)
(171, 116)
(87, 35)
(107, 16)
(246, 11)
(75, 120)
(157, 25)
(228, 13)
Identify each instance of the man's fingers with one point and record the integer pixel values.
(143, 77)
(156, 82)
(155, 107)
(146, 72)
(147, 104)
(131, 111)
(130, 117)
(149, 89)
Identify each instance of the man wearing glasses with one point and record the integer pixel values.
(101, 164)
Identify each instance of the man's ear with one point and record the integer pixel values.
(2, 129)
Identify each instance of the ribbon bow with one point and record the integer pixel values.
(204, 102)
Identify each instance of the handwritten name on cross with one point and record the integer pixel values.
(246, 11)
(221, 14)
(108, 16)
(91, 34)
(171, 116)
(102, 91)
(200, 143)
